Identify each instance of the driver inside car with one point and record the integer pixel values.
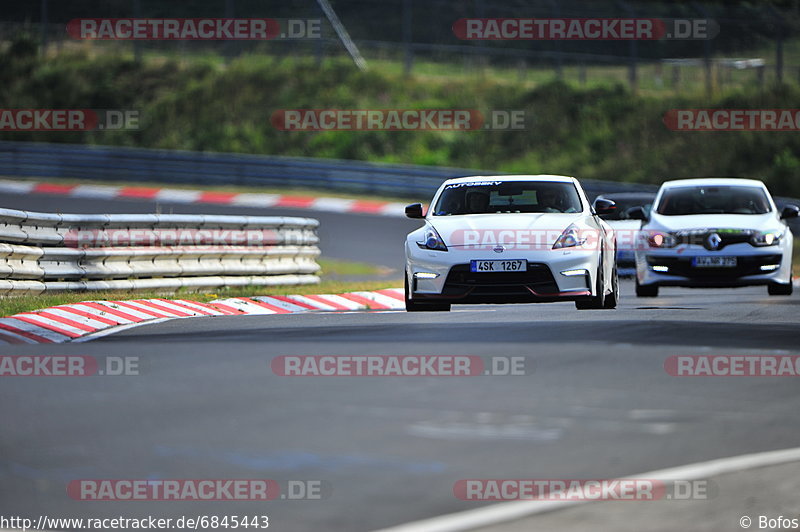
(477, 202)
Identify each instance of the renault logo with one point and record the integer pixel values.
(499, 249)
(713, 241)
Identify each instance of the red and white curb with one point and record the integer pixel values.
(90, 319)
(174, 195)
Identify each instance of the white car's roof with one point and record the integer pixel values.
(708, 181)
(541, 177)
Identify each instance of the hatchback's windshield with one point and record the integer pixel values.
(508, 197)
(713, 200)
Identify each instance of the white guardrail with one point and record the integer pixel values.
(43, 252)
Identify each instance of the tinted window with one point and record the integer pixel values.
(680, 201)
(508, 197)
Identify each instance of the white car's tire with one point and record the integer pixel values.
(416, 306)
(613, 298)
(598, 301)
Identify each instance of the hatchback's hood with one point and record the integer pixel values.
(713, 221)
(453, 228)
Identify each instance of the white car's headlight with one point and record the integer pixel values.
(766, 238)
(432, 240)
(569, 238)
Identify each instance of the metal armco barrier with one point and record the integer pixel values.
(64, 252)
(110, 163)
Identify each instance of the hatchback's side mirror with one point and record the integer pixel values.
(414, 210)
(604, 206)
(637, 213)
(790, 211)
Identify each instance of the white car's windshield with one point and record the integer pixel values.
(508, 197)
(681, 201)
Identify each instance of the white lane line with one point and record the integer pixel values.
(510, 511)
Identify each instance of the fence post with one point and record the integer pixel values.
(706, 50)
(44, 27)
(559, 60)
(407, 31)
(137, 46)
(633, 49)
(230, 12)
(676, 77)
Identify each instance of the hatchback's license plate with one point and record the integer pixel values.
(714, 262)
(498, 265)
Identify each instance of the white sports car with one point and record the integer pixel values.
(714, 232)
(511, 239)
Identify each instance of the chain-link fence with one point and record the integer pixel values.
(755, 44)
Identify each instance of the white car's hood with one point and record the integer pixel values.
(451, 228)
(713, 221)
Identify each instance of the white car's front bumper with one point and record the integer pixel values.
(445, 275)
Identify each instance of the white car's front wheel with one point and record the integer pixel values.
(416, 306)
(601, 300)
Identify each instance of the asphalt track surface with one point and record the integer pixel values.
(597, 404)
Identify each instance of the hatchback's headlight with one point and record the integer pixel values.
(432, 240)
(569, 238)
(766, 238)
